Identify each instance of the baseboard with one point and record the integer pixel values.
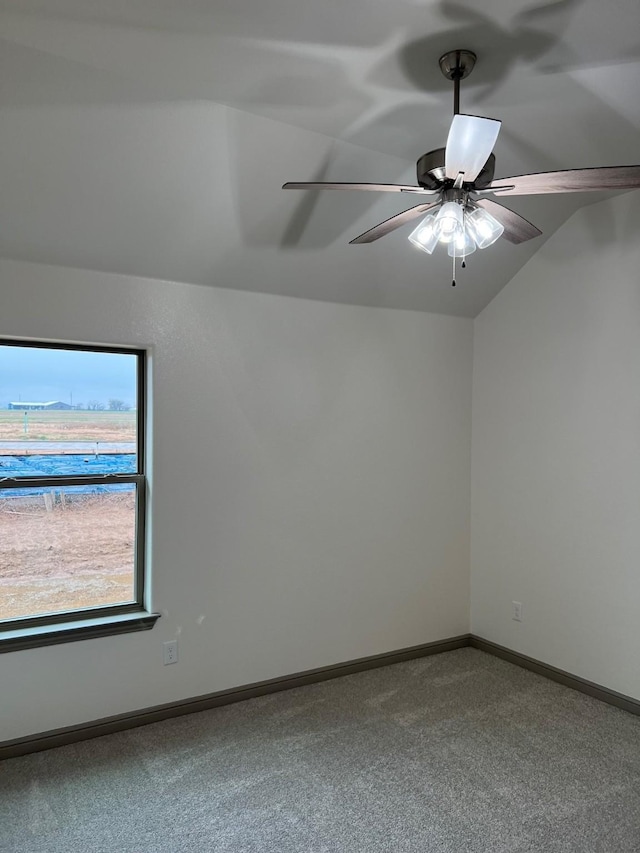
(121, 722)
(627, 703)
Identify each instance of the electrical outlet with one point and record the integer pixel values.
(516, 613)
(170, 652)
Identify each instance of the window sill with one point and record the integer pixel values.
(69, 632)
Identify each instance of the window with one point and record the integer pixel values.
(72, 493)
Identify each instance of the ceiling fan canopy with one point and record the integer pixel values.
(459, 177)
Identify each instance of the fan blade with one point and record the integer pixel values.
(421, 191)
(573, 181)
(517, 229)
(493, 190)
(380, 188)
(390, 225)
(469, 144)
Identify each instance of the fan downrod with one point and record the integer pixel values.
(456, 65)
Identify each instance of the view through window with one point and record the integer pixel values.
(71, 482)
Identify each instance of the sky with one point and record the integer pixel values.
(37, 374)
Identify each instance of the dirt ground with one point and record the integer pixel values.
(78, 554)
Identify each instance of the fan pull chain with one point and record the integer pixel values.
(453, 283)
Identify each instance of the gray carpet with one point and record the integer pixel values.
(457, 752)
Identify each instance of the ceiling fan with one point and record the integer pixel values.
(460, 177)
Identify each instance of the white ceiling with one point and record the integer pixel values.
(151, 137)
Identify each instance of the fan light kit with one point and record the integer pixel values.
(460, 177)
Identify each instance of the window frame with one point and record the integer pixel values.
(98, 620)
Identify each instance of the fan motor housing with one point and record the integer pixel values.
(431, 174)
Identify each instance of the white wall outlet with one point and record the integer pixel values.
(170, 652)
(516, 612)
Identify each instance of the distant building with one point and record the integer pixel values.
(53, 404)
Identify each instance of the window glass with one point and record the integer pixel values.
(66, 548)
(76, 406)
(72, 485)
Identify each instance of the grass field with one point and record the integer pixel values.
(67, 426)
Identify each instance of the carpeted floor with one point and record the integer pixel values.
(457, 752)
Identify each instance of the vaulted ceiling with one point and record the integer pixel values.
(151, 137)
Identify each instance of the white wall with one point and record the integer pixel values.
(310, 480)
(556, 452)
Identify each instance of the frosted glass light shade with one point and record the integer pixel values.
(424, 236)
(462, 245)
(484, 228)
(469, 144)
(449, 221)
